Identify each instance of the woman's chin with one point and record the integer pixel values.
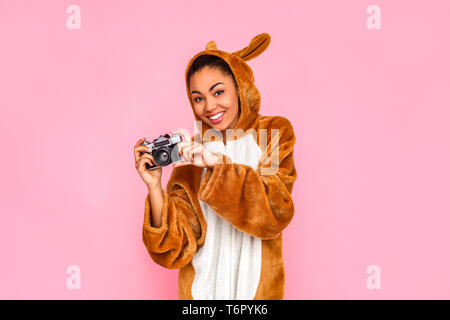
(218, 127)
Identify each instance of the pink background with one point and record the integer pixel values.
(370, 109)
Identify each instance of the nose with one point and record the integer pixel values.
(210, 107)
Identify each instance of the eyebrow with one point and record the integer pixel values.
(209, 88)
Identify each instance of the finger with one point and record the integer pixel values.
(197, 154)
(186, 143)
(139, 150)
(187, 153)
(182, 146)
(142, 149)
(140, 164)
(138, 145)
(138, 154)
(148, 156)
(145, 148)
(188, 146)
(185, 133)
(139, 142)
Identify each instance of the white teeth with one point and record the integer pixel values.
(216, 116)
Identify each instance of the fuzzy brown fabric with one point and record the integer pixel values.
(257, 204)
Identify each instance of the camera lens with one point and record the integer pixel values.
(162, 157)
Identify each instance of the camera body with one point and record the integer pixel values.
(164, 150)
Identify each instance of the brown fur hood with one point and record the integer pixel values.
(248, 93)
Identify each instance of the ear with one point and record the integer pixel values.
(211, 46)
(255, 48)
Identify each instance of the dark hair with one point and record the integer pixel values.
(208, 60)
(212, 61)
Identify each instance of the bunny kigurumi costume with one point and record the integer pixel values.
(222, 227)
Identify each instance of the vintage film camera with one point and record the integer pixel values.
(164, 150)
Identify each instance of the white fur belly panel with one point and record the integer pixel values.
(228, 266)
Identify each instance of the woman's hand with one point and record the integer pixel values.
(194, 153)
(150, 177)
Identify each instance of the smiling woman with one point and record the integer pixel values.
(214, 93)
(221, 217)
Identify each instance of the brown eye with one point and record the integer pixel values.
(220, 91)
(197, 98)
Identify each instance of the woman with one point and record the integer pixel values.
(221, 219)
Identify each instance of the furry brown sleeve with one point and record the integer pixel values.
(255, 203)
(174, 243)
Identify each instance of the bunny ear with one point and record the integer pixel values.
(255, 48)
(211, 46)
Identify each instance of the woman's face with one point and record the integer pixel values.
(215, 98)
